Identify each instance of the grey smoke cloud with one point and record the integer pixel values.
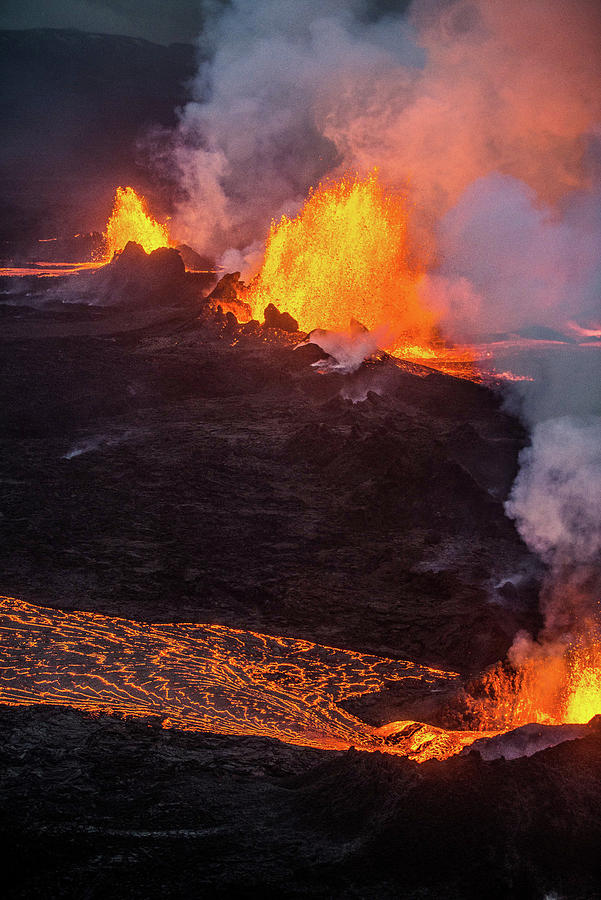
(479, 110)
(279, 71)
(509, 261)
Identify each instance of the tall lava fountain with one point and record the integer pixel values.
(345, 256)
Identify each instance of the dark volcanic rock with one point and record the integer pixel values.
(166, 266)
(227, 288)
(99, 807)
(526, 740)
(135, 274)
(228, 293)
(192, 467)
(135, 278)
(192, 259)
(275, 319)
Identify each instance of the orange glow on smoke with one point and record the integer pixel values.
(130, 221)
(555, 685)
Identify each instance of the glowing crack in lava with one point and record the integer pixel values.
(130, 221)
(345, 256)
(209, 678)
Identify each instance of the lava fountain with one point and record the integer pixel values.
(130, 221)
(554, 684)
(343, 257)
(346, 257)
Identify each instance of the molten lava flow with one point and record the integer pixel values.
(223, 680)
(554, 685)
(130, 221)
(208, 678)
(49, 270)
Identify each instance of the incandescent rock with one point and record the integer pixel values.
(227, 294)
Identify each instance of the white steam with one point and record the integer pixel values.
(556, 497)
(348, 349)
(100, 441)
(509, 261)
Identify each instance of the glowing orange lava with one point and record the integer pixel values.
(556, 684)
(227, 681)
(49, 270)
(345, 256)
(130, 221)
(208, 678)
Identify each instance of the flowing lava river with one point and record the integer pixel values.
(210, 678)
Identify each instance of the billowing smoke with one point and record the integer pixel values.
(509, 261)
(484, 111)
(556, 504)
(556, 498)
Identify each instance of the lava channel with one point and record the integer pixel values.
(210, 678)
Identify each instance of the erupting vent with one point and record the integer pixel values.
(556, 685)
(130, 221)
(345, 256)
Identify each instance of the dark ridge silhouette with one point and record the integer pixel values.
(77, 110)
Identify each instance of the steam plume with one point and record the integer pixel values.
(447, 94)
(556, 498)
(508, 260)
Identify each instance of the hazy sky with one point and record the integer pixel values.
(163, 21)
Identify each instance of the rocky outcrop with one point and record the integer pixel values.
(99, 806)
(228, 294)
(282, 321)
